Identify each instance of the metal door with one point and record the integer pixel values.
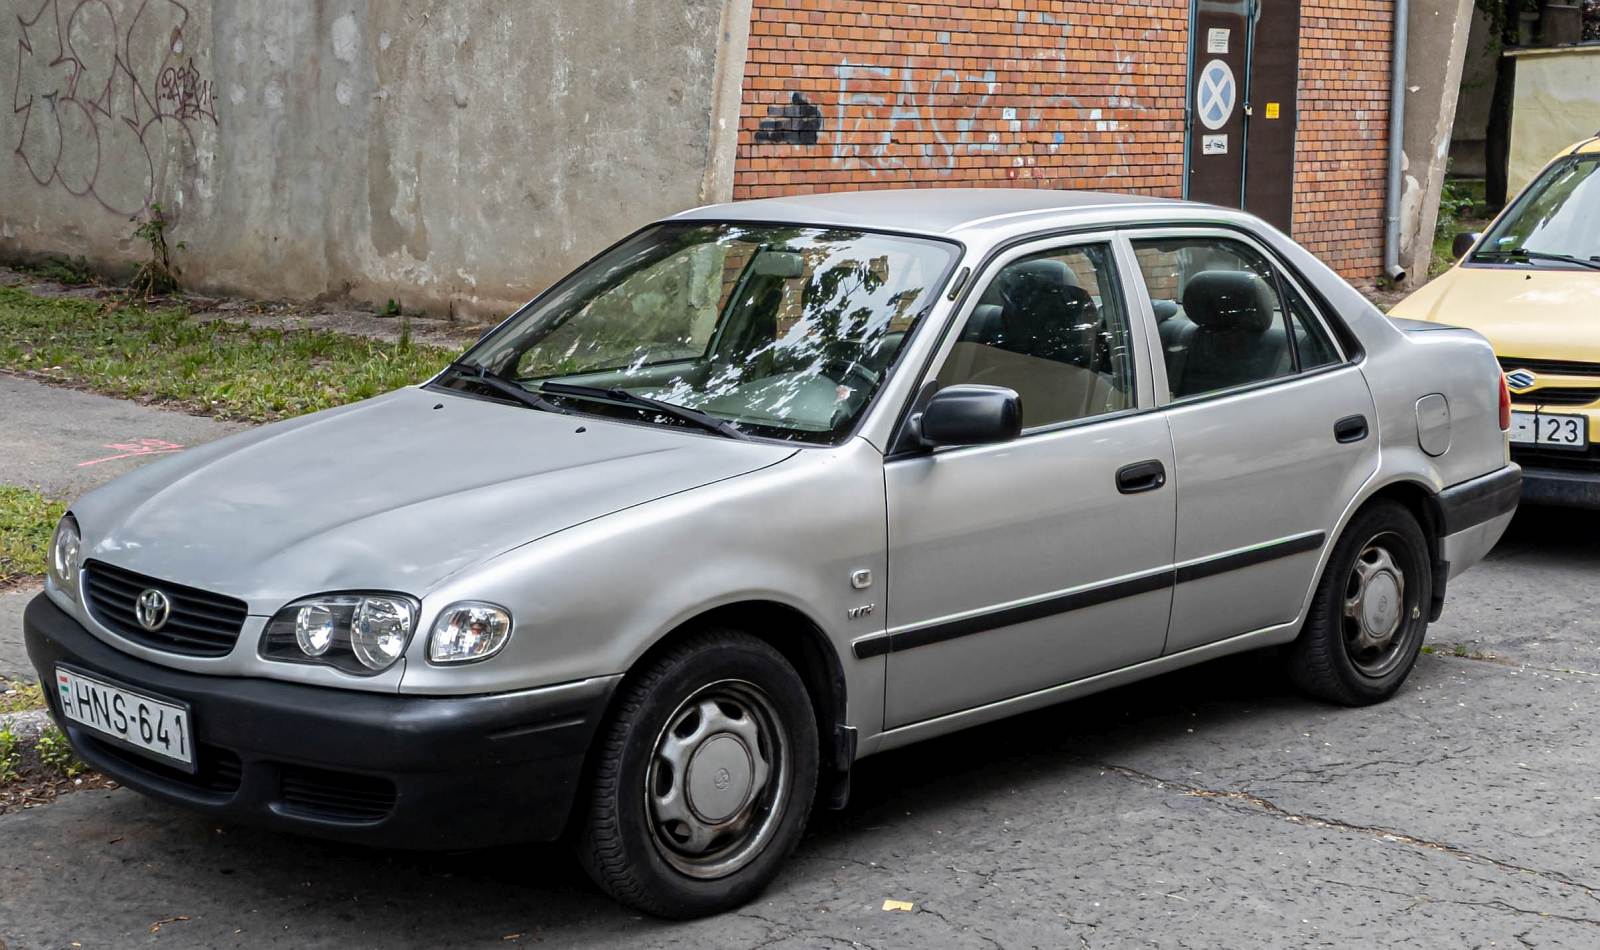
(1219, 67)
(1243, 90)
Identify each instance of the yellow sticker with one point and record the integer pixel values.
(1272, 110)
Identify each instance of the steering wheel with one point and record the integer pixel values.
(850, 368)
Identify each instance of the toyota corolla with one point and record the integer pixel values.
(762, 490)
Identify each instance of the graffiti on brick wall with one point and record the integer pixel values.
(106, 100)
(881, 108)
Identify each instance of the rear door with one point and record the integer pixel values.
(1273, 430)
(1021, 566)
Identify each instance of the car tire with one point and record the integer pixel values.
(703, 777)
(1369, 614)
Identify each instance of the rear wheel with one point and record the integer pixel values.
(703, 779)
(1368, 617)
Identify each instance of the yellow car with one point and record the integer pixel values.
(1531, 284)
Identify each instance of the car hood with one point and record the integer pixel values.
(394, 493)
(1525, 312)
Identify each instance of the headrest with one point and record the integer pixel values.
(985, 325)
(1165, 309)
(1040, 275)
(1228, 300)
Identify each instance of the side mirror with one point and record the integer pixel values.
(970, 415)
(1463, 243)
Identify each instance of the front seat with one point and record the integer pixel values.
(1237, 338)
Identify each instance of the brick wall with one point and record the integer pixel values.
(1341, 161)
(842, 95)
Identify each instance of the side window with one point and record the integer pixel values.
(1052, 327)
(1311, 342)
(1221, 321)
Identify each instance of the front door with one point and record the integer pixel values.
(1021, 566)
(1272, 427)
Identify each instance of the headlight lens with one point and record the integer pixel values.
(65, 549)
(357, 633)
(468, 631)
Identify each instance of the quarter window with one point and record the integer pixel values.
(1222, 317)
(1052, 327)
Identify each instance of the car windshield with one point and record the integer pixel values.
(1554, 220)
(742, 329)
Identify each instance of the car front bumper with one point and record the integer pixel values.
(420, 772)
(1572, 488)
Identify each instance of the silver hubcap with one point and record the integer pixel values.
(1375, 610)
(716, 782)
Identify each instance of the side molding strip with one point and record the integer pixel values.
(885, 643)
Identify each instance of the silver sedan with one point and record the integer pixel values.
(764, 489)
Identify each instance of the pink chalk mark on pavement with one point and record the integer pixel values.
(136, 448)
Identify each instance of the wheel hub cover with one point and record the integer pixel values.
(720, 775)
(1380, 605)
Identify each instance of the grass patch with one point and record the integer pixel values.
(225, 369)
(27, 519)
(20, 697)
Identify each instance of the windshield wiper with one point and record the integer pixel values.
(1516, 253)
(482, 377)
(617, 394)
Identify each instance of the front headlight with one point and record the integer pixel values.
(65, 548)
(468, 631)
(357, 633)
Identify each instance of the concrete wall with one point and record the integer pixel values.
(1438, 32)
(1557, 103)
(1477, 96)
(451, 155)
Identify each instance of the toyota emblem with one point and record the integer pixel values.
(152, 609)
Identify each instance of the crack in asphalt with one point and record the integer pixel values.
(924, 909)
(1418, 900)
(1257, 805)
(778, 932)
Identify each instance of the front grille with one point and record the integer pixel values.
(199, 624)
(1580, 396)
(335, 796)
(1566, 459)
(217, 771)
(1550, 367)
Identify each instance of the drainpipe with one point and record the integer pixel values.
(1397, 133)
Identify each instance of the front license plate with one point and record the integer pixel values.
(155, 726)
(1543, 428)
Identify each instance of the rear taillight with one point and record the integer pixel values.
(1505, 405)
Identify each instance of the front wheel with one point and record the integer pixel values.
(703, 778)
(1370, 611)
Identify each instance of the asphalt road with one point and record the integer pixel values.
(1208, 808)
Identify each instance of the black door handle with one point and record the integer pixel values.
(1350, 429)
(1141, 476)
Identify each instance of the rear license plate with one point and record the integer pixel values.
(158, 727)
(1543, 428)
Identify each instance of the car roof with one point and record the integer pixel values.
(937, 211)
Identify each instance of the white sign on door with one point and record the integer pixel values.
(1217, 40)
(1215, 94)
(1214, 145)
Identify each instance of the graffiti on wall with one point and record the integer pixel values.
(107, 100)
(794, 124)
(955, 113)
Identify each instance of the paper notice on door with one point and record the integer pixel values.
(1217, 40)
(1214, 145)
